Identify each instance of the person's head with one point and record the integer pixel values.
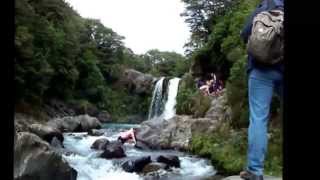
(134, 130)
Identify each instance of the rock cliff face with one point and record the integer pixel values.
(138, 82)
(177, 132)
(34, 157)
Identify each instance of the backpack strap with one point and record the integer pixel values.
(275, 4)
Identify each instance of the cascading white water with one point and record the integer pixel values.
(170, 109)
(156, 102)
(90, 166)
(160, 109)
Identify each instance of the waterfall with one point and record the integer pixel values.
(170, 110)
(156, 102)
(164, 107)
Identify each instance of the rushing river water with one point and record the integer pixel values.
(89, 166)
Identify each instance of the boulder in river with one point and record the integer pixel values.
(87, 122)
(174, 133)
(81, 123)
(170, 160)
(46, 132)
(95, 132)
(136, 164)
(65, 124)
(55, 142)
(113, 150)
(153, 166)
(141, 145)
(104, 117)
(35, 160)
(100, 144)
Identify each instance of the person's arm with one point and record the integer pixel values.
(133, 136)
(134, 139)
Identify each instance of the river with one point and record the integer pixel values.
(90, 166)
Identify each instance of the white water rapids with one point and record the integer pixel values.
(90, 166)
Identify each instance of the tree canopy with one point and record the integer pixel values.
(61, 55)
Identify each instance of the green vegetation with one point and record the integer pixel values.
(225, 53)
(61, 55)
(227, 150)
(189, 100)
(222, 51)
(160, 63)
(215, 46)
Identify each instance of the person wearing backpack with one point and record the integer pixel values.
(263, 34)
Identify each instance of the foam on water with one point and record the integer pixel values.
(196, 167)
(80, 143)
(90, 167)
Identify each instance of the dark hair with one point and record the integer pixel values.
(122, 140)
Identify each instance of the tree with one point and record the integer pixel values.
(200, 15)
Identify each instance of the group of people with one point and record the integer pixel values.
(211, 86)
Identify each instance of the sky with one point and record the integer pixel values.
(145, 24)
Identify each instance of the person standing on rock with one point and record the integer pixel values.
(263, 80)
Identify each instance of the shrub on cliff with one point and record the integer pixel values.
(227, 150)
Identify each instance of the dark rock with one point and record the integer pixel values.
(56, 143)
(88, 122)
(113, 150)
(80, 109)
(92, 111)
(23, 121)
(46, 132)
(176, 133)
(35, 160)
(170, 160)
(154, 166)
(56, 109)
(137, 82)
(100, 144)
(141, 145)
(136, 164)
(95, 132)
(104, 117)
(66, 124)
(81, 123)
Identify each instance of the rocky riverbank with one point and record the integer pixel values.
(177, 132)
(37, 146)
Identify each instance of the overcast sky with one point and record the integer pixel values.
(146, 24)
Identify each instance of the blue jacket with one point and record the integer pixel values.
(265, 5)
